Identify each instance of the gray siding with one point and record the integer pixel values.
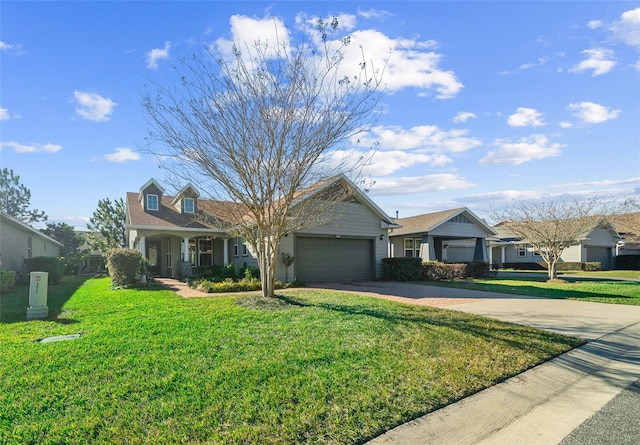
(14, 245)
(459, 230)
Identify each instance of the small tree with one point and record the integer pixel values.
(15, 198)
(260, 127)
(125, 266)
(70, 239)
(108, 225)
(287, 260)
(552, 225)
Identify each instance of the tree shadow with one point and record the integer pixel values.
(13, 306)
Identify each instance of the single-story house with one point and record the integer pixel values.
(628, 226)
(171, 231)
(19, 241)
(452, 236)
(598, 245)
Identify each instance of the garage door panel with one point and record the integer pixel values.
(333, 259)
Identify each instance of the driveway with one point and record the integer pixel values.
(545, 404)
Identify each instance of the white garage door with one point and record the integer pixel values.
(333, 259)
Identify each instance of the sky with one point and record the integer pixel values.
(485, 102)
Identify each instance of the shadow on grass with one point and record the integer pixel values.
(13, 306)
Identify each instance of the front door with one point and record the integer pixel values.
(153, 255)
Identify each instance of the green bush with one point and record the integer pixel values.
(7, 280)
(437, 271)
(244, 285)
(124, 266)
(402, 269)
(592, 266)
(50, 264)
(477, 269)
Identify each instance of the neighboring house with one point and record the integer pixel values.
(452, 236)
(628, 226)
(598, 245)
(93, 261)
(173, 231)
(19, 241)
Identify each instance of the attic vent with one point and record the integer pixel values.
(460, 219)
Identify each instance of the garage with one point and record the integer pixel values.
(319, 259)
(600, 254)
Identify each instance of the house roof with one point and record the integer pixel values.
(210, 214)
(628, 226)
(505, 234)
(28, 228)
(429, 221)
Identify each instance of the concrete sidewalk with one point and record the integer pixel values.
(541, 406)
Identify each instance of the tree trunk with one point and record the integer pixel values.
(553, 269)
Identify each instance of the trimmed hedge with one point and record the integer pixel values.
(589, 266)
(628, 262)
(50, 264)
(124, 266)
(402, 269)
(437, 271)
(7, 280)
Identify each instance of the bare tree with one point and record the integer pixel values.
(552, 225)
(259, 128)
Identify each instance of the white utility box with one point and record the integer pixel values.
(38, 289)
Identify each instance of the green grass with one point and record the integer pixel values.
(311, 366)
(587, 288)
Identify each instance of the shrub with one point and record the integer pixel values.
(592, 266)
(628, 262)
(54, 266)
(437, 271)
(477, 269)
(525, 266)
(402, 269)
(7, 280)
(244, 285)
(124, 266)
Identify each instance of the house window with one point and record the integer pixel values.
(245, 252)
(152, 202)
(153, 255)
(189, 205)
(235, 246)
(412, 247)
(522, 250)
(169, 254)
(205, 247)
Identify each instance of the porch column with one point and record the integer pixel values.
(225, 249)
(142, 247)
(503, 255)
(185, 250)
(480, 252)
(428, 249)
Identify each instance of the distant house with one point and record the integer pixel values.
(455, 235)
(628, 226)
(597, 245)
(185, 229)
(93, 261)
(20, 241)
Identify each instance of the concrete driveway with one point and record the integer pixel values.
(545, 404)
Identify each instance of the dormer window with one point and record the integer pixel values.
(189, 205)
(152, 202)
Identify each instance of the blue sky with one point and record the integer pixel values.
(486, 102)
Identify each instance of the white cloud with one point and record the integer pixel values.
(14, 48)
(31, 148)
(419, 184)
(566, 125)
(627, 29)
(539, 62)
(156, 55)
(122, 154)
(4, 114)
(246, 31)
(599, 60)
(536, 146)
(592, 113)
(464, 116)
(93, 107)
(594, 24)
(406, 62)
(422, 139)
(374, 13)
(525, 117)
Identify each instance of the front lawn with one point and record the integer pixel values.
(586, 288)
(311, 366)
